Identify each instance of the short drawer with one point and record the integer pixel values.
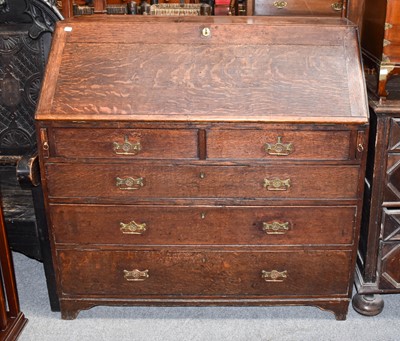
(299, 7)
(125, 143)
(171, 181)
(279, 145)
(168, 225)
(187, 273)
(391, 224)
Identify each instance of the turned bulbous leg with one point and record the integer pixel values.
(369, 305)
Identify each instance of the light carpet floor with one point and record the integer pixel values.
(193, 323)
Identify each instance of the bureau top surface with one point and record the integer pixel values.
(256, 69)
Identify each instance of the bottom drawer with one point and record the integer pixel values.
(195, 273)
(390, 266)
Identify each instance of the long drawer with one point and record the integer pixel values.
(176, 225)
(173, 181)
(186, 273)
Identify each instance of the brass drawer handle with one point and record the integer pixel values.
(136, 275)
(133, 228)
(276, 227)
(277, 184)
(129, 184)
(127, 148)
(337, 6)
(280, 4)
(279, 148)
(274, 275)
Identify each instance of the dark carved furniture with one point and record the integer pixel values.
(381, 41)
(25, 36)
(216, 163)
(378, 266)
(12, 319)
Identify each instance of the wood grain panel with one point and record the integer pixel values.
(168, 225)
(186, 273)
(393, 13)
(99, 143)
(171, 181)
(251, 144)
(181, 79)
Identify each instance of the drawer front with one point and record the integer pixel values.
(282, 145)
(125, 143)
(394, 135)
(390, 266)
(392, 189)
(168, 225)
(169, 181)
(391, 224)
(392, 34)
(392, 51)
(185, 273)
(393, 12)
(299, 7)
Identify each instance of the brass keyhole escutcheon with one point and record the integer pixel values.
(202, 175)
(280, 4)
(206, 32)
(337, 6)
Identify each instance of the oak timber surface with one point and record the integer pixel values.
(142, 135)
(232, 74)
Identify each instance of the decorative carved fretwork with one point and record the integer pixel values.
(44, 15)
(4, 7)
(22, 62)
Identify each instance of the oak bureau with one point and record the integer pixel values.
(217, 161)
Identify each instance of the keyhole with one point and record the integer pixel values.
(206, 32)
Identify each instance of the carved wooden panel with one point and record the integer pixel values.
(392, 189)
(391, 224)
(394, 139)
(390, 273)
(21, 69)
(23, 52)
